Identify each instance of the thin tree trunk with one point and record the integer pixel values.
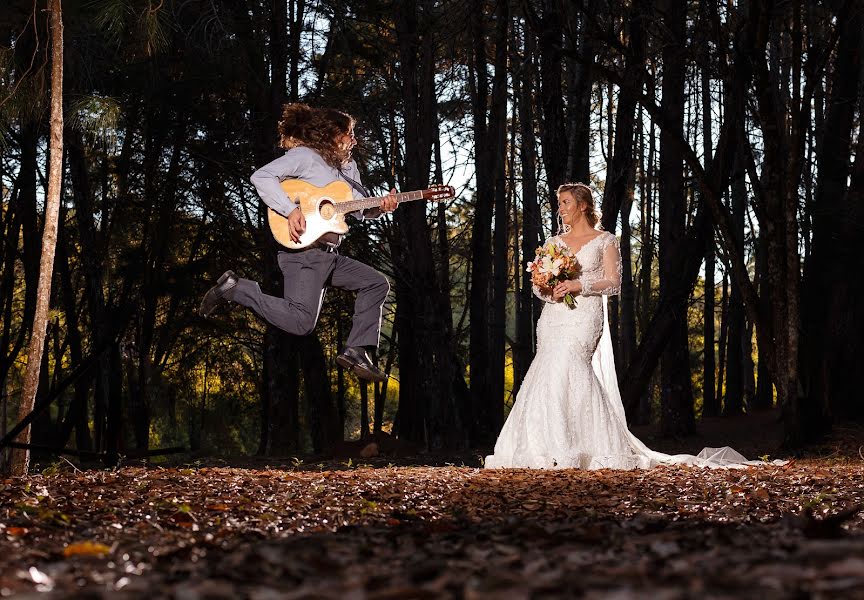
(642, 415)
(764, 386)
(618, 192)
(364, 409)
(76, 416)
(721, 344)
(710, 406)
(733, 404)
(21, 458)
(481, 233)
(532, 229)
(500, 264)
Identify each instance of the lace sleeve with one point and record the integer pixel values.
(539, 293)
(610, 283)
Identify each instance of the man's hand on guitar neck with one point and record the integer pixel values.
(296, 224)
(389, 202)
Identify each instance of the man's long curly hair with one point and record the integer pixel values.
(316, 128)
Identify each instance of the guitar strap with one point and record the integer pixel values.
(355, 184)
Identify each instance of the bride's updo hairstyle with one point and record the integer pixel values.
(583, 193)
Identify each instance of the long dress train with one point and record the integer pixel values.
(568, 412)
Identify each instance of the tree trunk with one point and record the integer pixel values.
(618, 191)
(639, 412)
(676, 416)
(832, 357)
(764, 387)
(281, 406)
(552, 135)
(481, 234)
(364, 409)
(532, 228)
(710, 406)
(21, 458)
(733, 404)
(76, 415)
(320, 405)
(501, 263)
(580, 86)
(429, 395)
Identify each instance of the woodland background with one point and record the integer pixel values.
(723, 141)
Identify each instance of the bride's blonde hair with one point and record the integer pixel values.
(584, 194)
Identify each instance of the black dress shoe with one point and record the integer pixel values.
(357, 360)
(216, 295)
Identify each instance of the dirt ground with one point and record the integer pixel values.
(369, 529)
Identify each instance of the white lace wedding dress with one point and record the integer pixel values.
(568, 412)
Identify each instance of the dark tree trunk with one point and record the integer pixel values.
(501, 263)
(364, 409)
(532, 228)
(553, 138)
(733, 404)
(618, 192)
(429, 395)
(76, 415)
(114, 411)
(266, 88)
(481, 234)
(107, 319)
(640, 412)
(710, 405)
(320, 405)
(764, 387)
(722, 343)
(281, 409)
(579, 90)
(832, 356)
(676, 413)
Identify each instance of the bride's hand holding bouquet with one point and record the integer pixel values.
(554, 271)
(568, 288)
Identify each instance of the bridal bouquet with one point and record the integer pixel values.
(553, 264)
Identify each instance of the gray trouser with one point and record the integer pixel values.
(306, 275)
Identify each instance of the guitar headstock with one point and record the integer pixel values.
(437, 193)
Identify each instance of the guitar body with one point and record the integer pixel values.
(318, 205)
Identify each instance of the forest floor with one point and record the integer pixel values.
(343, 529)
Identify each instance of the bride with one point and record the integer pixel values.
(568, 412)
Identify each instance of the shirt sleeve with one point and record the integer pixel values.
(610, 283)
(267, 179)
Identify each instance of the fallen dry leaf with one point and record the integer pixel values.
(86, 549)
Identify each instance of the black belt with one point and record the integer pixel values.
(315, 246)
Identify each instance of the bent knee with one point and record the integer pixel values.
(300, 323)
(305, 328)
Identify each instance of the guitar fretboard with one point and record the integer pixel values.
(363, 203)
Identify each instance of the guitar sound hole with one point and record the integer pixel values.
(326, 210)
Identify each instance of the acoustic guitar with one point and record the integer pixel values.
(325, 208)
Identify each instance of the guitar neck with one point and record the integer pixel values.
(350, 206)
